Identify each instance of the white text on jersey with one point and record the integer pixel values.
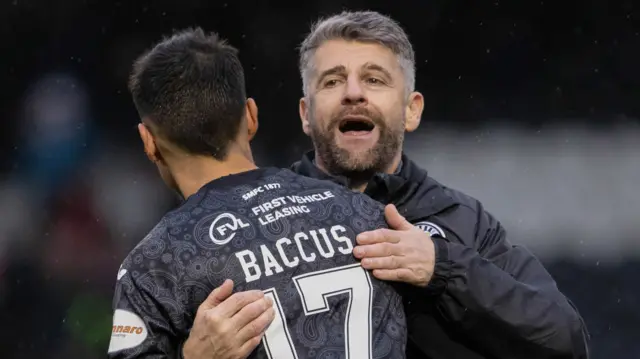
(270, 211)
(254, 266)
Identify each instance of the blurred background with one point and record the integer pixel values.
(532, 107)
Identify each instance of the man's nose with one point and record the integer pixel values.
(354, 94)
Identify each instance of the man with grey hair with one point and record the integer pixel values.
(467, 291)
(355, 136)
(470, 292)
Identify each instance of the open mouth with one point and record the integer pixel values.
(356, 125)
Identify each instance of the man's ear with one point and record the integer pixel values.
(304, 109)
(149, 143)
(413, 112)
(251, 114)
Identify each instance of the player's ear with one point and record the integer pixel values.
(304, 116)
(148, 142)
(251, 114)
(415, 105)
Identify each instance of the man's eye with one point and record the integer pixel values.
(330, 83)
(374, 81)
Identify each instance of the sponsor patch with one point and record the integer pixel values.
(432, 228)
(128, 331)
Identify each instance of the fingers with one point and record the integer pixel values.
(391, 262)
(250, 345)
(233, 327)
(218, 295)
(396, 275)
(237, 302)
(378, 236)
(395, 219)
(250, 313)
(376, 250)
(257, 326)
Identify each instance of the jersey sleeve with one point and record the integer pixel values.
(142, 324)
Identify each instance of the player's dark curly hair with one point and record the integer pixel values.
(191, 87)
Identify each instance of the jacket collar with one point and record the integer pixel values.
(414, 193)
(307, 167)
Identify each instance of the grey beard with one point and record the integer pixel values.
(341, 162)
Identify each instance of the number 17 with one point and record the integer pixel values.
(314, 289)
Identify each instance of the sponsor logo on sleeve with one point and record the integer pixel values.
(128, 331)
(431, 228)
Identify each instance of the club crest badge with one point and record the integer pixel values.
(431, 228)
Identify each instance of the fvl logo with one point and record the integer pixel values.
(218, 231)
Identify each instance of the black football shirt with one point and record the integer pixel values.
(272, 230)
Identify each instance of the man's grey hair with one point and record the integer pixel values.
(360, 26)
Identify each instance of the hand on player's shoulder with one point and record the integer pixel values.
(401, 253)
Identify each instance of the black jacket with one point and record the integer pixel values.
(487, 297)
